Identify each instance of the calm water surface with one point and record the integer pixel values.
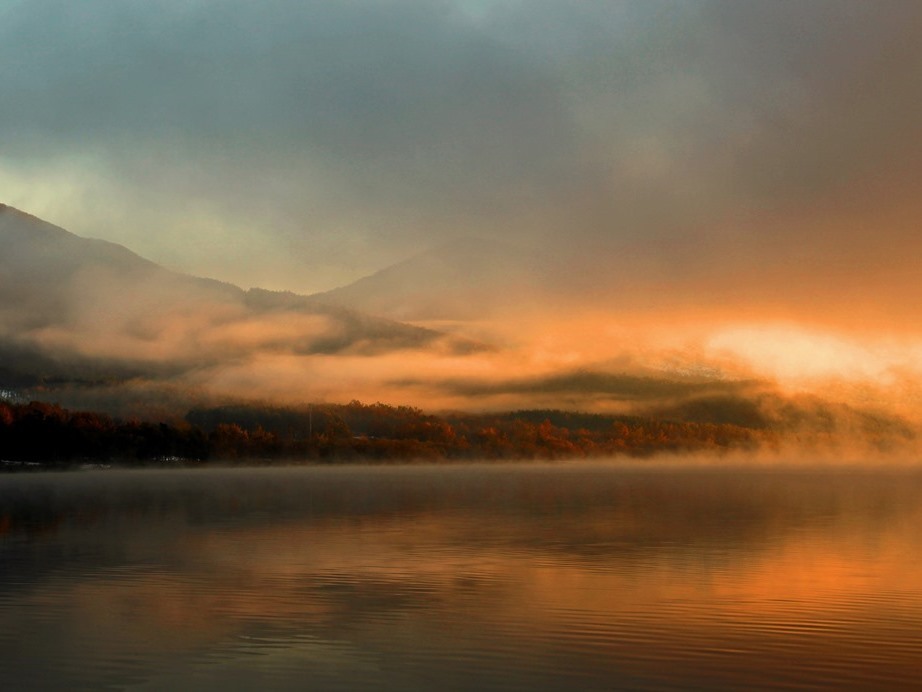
(474, 577)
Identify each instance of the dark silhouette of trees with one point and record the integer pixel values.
(42, 432)
(46, 433)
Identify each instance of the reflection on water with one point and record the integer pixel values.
(476, 577)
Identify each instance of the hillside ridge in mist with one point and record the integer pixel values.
(71, 301)
(468, 277)
(90, 324)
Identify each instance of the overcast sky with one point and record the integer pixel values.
(298, 144)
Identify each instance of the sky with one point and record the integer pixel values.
(301, 145)
(741, 173)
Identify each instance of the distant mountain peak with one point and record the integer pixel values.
(72, 299)
(465, 277)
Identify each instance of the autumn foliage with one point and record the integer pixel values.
(358, 432)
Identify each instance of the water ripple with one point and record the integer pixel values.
(513, 578)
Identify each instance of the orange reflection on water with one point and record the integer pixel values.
(736, 577)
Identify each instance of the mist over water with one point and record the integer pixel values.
(589, 576)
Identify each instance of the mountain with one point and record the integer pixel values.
(89, 324)
(48, 276)
(73, 307)
(464, 279)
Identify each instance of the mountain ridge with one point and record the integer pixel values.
(468, 277)
(83, 301)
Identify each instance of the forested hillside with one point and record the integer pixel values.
(50, 435)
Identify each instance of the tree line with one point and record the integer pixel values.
(47, 433)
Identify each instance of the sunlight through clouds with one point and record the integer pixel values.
(795, 353)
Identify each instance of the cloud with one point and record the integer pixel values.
(307, 120)
(721, 153)
(617, 386)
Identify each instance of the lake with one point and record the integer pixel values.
(530, 576)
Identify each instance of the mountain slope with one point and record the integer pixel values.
(89, 324)
(91, 305)
(467, 278)
(48, 276)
